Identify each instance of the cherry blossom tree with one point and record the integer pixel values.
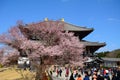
(8, 56)
(46, 41)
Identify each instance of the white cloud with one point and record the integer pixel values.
(113, 19)
(110, 19)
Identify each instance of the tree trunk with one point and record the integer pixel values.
(38, 74)
(40, 71)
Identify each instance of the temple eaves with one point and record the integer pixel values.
(71, 27)
(88, 43)
(91, 47)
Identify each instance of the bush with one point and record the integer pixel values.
(1, 65)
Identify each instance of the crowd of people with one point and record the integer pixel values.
(87, 74)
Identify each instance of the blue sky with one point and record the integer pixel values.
(102, 15)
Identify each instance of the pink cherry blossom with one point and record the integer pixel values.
(46, 40)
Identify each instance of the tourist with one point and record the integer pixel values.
(82, 71)
(118, 74)
(79, 77)
(71, 77)
(60, 72)
(114, 77)
(57, 71)
(100, 76)
(86, 76)
(25, 65)
(67, 72)
(75, 74)
(94, 77)
(51, 72)
(107, 77)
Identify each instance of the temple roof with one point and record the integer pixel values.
(88, 43)
(68, 27)
(78, 30)
(92, 46)
(71, 27)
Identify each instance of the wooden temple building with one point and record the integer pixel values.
(81, 32)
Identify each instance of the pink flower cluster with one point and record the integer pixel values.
(49, 39)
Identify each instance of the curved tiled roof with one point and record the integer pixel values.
(71, 27)
(67, 26)
(88, 43)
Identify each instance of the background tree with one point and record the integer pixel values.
(45, 41)
(102, 54)
(110, 54)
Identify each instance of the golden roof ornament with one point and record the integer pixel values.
(62, 19)
(46, 19)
